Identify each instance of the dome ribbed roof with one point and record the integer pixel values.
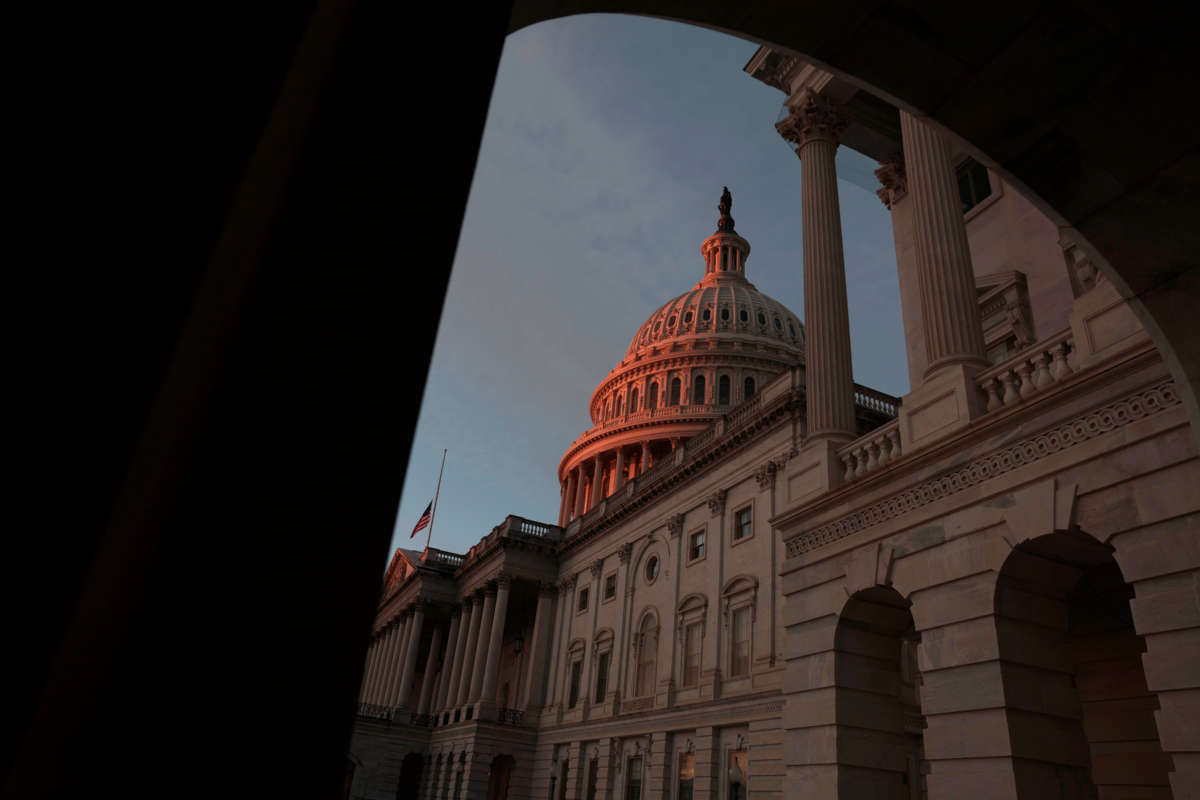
(735, 310)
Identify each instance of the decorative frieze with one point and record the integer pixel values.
(1093, 424)
(716, 503)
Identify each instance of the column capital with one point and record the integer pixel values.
(596, 567)
(894, 179)
(547, 588)
(625, 552)
(465, 602)
(766, 475)
(810, 117)
(675, 524)
(566, 584)
(716, 502)
(504, 579)
(492, 587)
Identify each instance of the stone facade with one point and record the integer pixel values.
(987, 588)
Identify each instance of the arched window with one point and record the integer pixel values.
(698, 388)
(748, 389)
(723, 390)
(676, 386)
(620, 406)
(647, 654)
(633, 397)
(653, 396)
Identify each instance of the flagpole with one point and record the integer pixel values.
(433, 515)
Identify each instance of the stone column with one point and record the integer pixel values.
(622, 634)
(481, 645)
(385, 679)
(439, 698)
(383, 642)
(532, 693)
(471, 645)
(814, 124)
(564, 508)
(643, 458)
(550, 694)
(460, 652)
(579, 493)
(597, 491)
(619, 471)
(949, 304)
(368, 671)
(410, 655)
(566, 595)
(496, 640)
(435, 650)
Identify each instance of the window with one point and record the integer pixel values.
(676, 387)
(562, 784)
(671, 322)
(698, 388)
(762, 319)
(601, 678)
(737, 775)
(653, 396)
(652, 569)
(633, 395)
(744, 315)
(610, 587)
(696, 546)
(743, 523)
(778, 324)
(973, 183)
(723, 390)
(725, 314)
(583, 599)
(576, 676)
(707, 314)
(693, 636)
(620, 406)
(633, 783)
(593, 770)
(646, 657)
(748, 388)
(687, 776)
(687, 318)
(739, 661)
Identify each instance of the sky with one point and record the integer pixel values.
(608, 140)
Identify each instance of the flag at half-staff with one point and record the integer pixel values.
(424, 520)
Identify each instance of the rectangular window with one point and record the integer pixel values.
(593, 769)
(696, 546)
(743, 523)
(691, 654)
(687, 776)
(740, 656)
(973, 184)
(576, 674)
(583, 599)
(601, 677)
(738, 777)
(562, 783)
(633, 784)
(610, 587)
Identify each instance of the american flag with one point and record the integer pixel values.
(424, 520)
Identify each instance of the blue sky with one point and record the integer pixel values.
(607, 142)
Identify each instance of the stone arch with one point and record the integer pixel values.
(646, 638)
(692, 602)
(1081, 718)
(411, 772)
(500, 776)
(880, 741)
(648, 549)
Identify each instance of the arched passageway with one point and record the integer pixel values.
(410, 777)
(1081, 720)
(500, 776)
(879, 736)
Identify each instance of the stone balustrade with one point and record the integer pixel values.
(1027, 373)
(434, 556)
(866, 397)
(868, 453)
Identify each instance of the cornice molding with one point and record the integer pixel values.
(1027, 451)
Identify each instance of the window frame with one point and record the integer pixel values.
(582, 599)
(574, 681)
(692, 610)
(698, 626)
(639, 652)
(740, 592)
(604, 586)
(734, 610)
(704, 555)
(599, 698)
(727, 390)
(734, 541)
(994, 185)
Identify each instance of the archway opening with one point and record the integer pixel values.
(1073, 677)
(880, 725)
(410, 776)
(499, 777)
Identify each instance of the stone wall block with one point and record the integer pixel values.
(968, 642)
(807, 709)
(1172, 660)
(1159, 549)
(971, 734)
(1176, 718)
(969, 597)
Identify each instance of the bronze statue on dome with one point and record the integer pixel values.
(725, 223)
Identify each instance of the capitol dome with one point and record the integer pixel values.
(696, 356)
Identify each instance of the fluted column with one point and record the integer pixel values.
(410, 655)
(443, 686)
(386, 641)
(369, 667)
(481, 644)
(596, 490)
(395, 652)
(460, 651)
(949, 304)
(472, 644)
(644, 456)
(531, 693)
(491, 668)
(556, 641)
(435, 650)
(619, 471)
(565, 501)
(579, 494)
(814, 124)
